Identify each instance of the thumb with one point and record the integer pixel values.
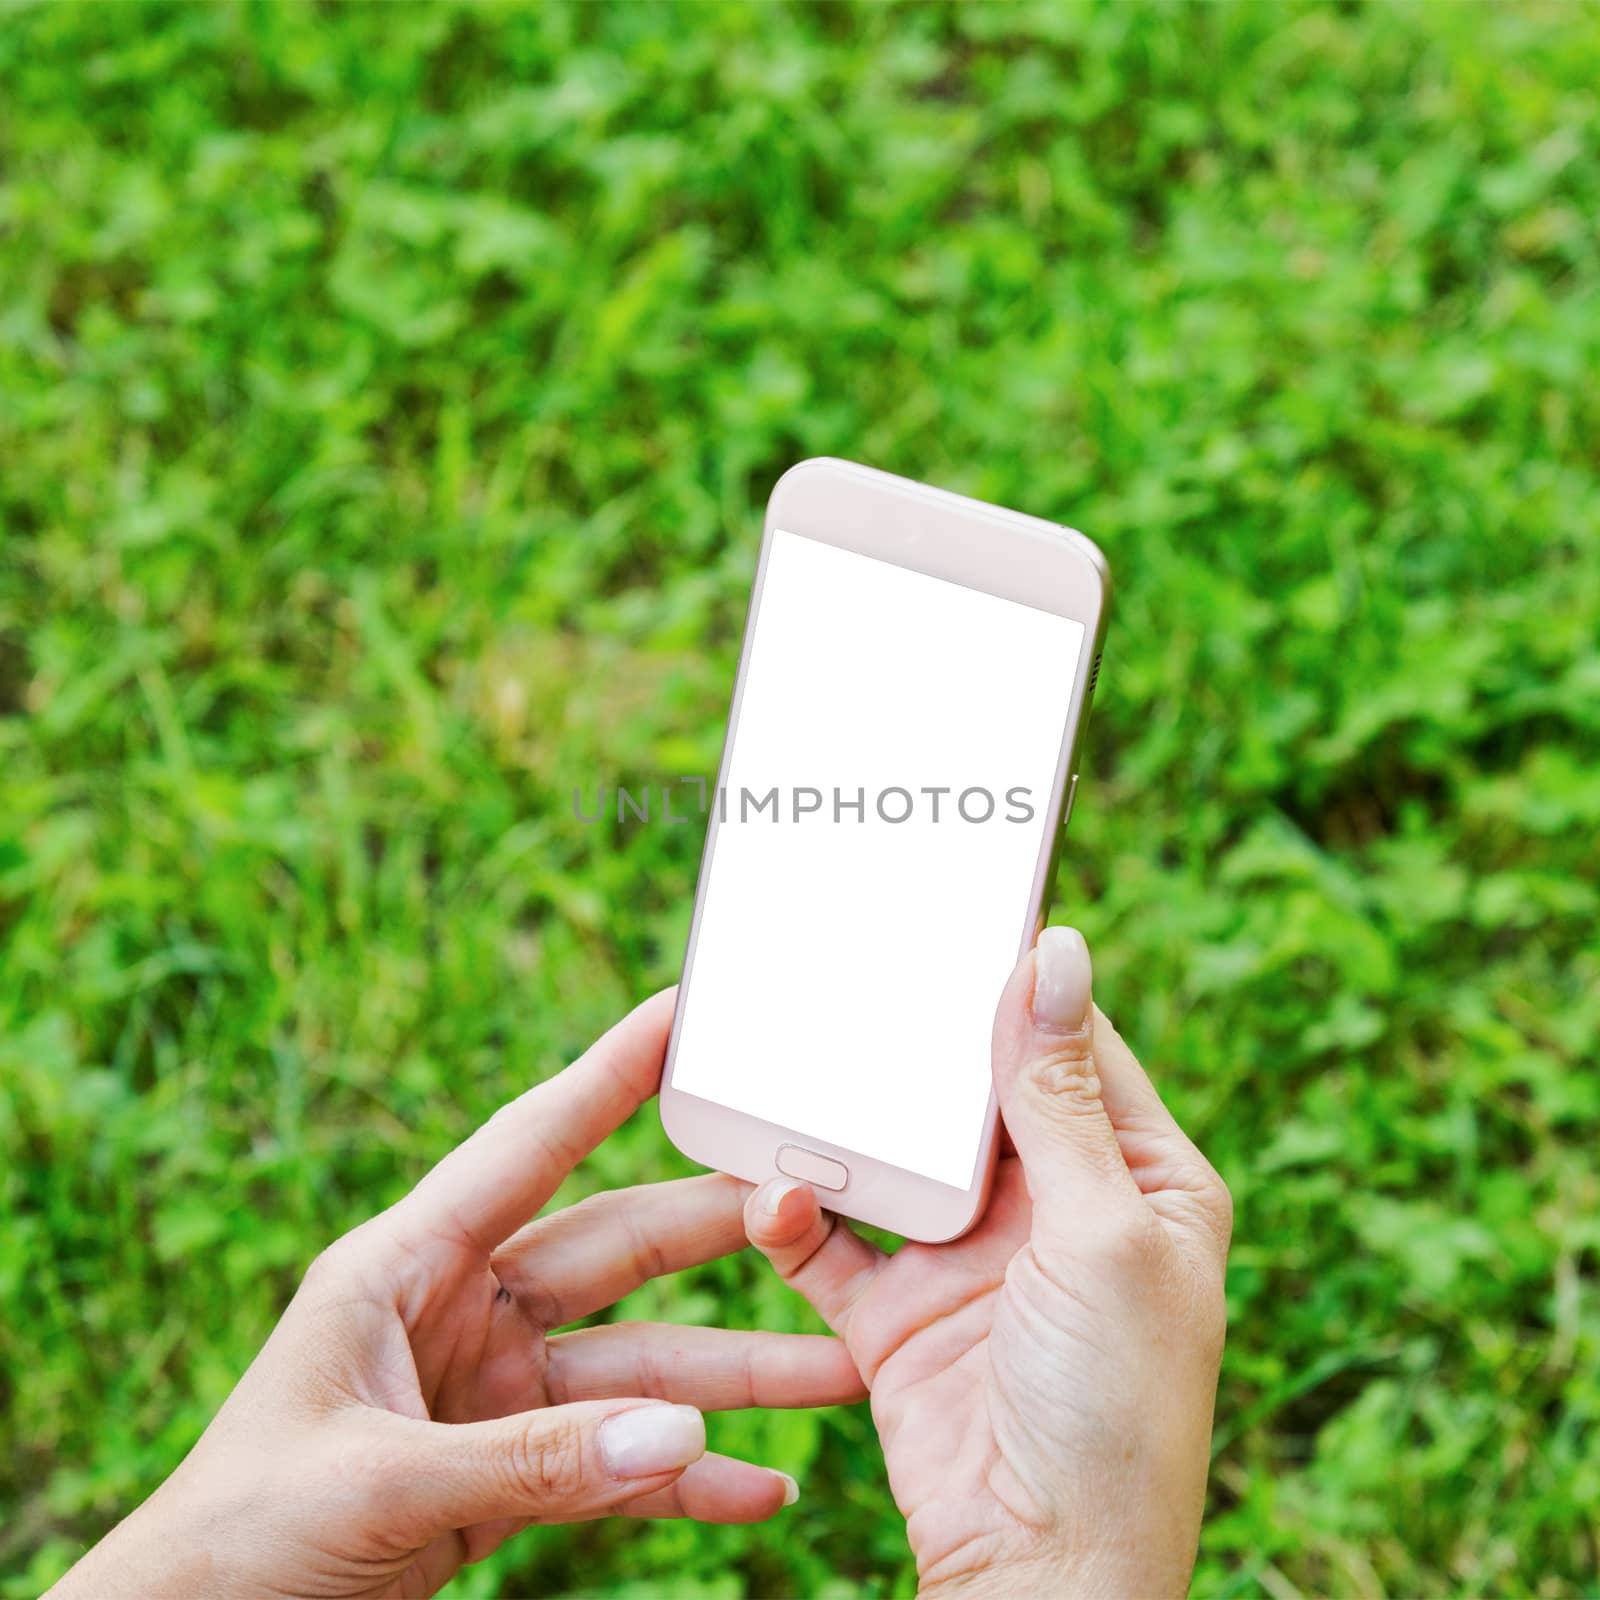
(553, 1465)
(1048, 1081)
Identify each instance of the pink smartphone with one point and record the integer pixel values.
(900, 761)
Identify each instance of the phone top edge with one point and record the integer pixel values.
(1094, 555)
(802, 493)
(893, 483)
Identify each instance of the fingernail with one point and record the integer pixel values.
(776, 1193)
(791, 1489)
(1062, 977)
(651, 1439)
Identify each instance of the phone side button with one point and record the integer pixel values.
(807, 1165)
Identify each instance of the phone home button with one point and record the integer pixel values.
(795, 1162)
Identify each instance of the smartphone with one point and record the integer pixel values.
(900, 762)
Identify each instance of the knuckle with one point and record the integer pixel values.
(1213, 1202)
(1067, 1075)
(1114, 1246)
(353, 1262)
(1122, 1238)
(359, 1472)
(546, 1463)
(645, 1258)
(329, 1266)
(1222, 1200)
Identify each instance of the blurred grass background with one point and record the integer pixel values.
(388, 395)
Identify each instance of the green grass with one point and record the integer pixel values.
(387, 400)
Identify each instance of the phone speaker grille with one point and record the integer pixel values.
(1094, 671)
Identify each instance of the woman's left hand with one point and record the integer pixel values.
(411, 1410)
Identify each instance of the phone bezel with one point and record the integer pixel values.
(982, 547)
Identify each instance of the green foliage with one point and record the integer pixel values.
(387, 399)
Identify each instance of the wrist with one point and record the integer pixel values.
(1057, 1572)
(995, 1575)
(153, 1550)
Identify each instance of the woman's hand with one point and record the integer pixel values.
(1043, 1386)
(409, 1413)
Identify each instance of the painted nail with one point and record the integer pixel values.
(1062, 977)
(791, 1489)
(776, 1193)
(652, 1439)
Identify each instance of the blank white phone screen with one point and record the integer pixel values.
(858, 926)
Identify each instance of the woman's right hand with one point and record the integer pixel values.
(415, 1407)
(1043, 1386)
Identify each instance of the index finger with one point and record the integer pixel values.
(486, 1188)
